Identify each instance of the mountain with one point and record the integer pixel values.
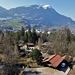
(38, 15)
(4, 13)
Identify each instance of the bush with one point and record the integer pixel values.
(36, 55)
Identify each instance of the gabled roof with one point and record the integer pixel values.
(49, 58)
(55, 60)
(30, 43)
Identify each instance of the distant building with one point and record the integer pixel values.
(26, 30)
(38, 31)
(73, 32)
(49, 32)
(15, 29)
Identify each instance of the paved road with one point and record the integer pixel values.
(44, 71)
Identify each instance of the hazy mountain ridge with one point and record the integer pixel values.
(38, 15)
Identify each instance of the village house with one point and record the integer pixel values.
(55, 61)
(28, 47)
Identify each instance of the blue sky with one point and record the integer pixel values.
(64, 7)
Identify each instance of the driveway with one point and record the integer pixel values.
(44, 71)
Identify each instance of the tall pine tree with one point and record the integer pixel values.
(34, 35)
(25, 37)
(22, 31)
(29, 35)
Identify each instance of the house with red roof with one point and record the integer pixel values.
(55, 61)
